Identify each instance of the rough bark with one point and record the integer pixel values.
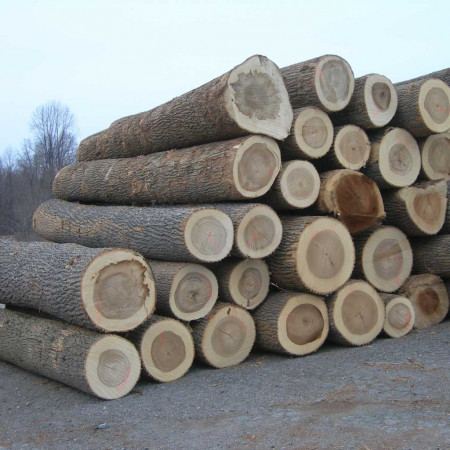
(443, 75)
(61, 352)
(432, 255)
(62, 280)
(207, 173)
(249, 99)
(155, 232)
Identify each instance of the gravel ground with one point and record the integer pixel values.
(394, 393)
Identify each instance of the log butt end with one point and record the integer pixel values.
(381, 100)
(400, 317)
(434, 105)
(436, 156)
(352, 147)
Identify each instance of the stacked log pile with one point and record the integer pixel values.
(268, 208)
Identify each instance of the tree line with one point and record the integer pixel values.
(26, 176)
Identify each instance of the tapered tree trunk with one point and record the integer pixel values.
(171, 233)
(350, 149)
(429, 298)
(417, 210)
(356, 313)
(435, 151)
(326, 82)
(400, 315)
(243, 282)
(291, 322)
(104, 366)
(102, 289)
(251, 98)
(394, 158)
(443, 75)
(315, 254)
(184, 291)
(423, 107)
(165, 346)
(352, 197)
(373, 104)
(383, 257)
(296, 187)
(432, 255)
(225, 336)
(310, 137)
(242, 168)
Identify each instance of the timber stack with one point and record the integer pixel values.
(270, 209)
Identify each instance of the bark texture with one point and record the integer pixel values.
(443, 75)
(432, 255)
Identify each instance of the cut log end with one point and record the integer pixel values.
(193, 292)
(303, 324)
(257, 100)
(387, 259)
(334, 82)
(380, 99)
(325, 255)
(313, 132)
(259, 232)
(249, 283)
(436, 156)
(228, 337)
(167, 350)
(118, 290)
(112, 367)
(400, 316)
(434, 105)
(352, 147)
(357, 315)
(208, 235)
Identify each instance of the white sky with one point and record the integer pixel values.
(108, 59)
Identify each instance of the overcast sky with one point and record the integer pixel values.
(108, 59)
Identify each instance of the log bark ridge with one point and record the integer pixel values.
(167, 233)
(101, 289)
(326, 82)
(105, 366)
(394, 159)
(435, 151)
(225, 336)
(432, 255)
(251, 98)
(315, 254)
(165, 346)
(310, 137)
(418, 210)
(291, 322)
(400, 315)
(356, 313)
(373, 104)
(429, 298)
(443, 75)
(239, 169)
(185, 291)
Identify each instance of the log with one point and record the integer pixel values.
(383, 257)
(310, 137)
(326, 82)
(171, 233)
(315, 254)
(400, 315)
(251, 98)
(423, 107)
(373, 104)
(105, 366)
(165, 346)
(184, 291)
(356, 313)
(350, 149)
(435, 150)
(243, 282)
(429, 298)
(292, 323)
(225, 336)
(443, 75)
(418, 210)
(352, 197)
(105, 289)
(257, 228)
(296, 187)
(239, 169)
(432, 255)
(394, 158)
